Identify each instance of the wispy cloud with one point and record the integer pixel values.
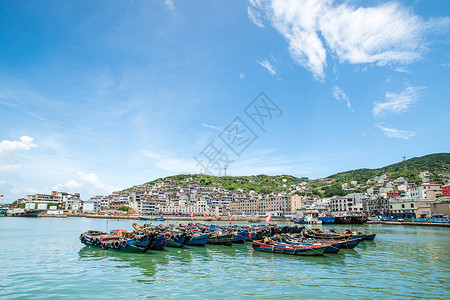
(402, 70)
(212, 127)
(255, 16)
(241, 75)
(266, 65)
(341, 96)
(86, 182)
(387, 33)
(8, 167)
(396, 133)
(397, 103)
(169, 4)
(168, 162)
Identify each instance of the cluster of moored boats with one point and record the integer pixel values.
(294, 240)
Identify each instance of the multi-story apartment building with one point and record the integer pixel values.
(423, 191)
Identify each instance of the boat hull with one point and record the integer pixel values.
(370, 237)
(199, 240)
(226, 239)
(287, 249)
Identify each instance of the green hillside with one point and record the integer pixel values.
(258, 183)
(434, 163)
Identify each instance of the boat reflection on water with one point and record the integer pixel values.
(152, 261)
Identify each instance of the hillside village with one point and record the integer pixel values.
(422, 194)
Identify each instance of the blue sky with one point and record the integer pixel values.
(97, 96)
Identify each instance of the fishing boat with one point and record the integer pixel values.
(300, 221)
(358, 219)
(370, 237)
(175, 239)
(318, 234)
(196, 239)
(242, 235)
(32, 213)
(289, 249)
(327, 220)
(143, 218)
(335, 245)
(342, 219)
(221, 238)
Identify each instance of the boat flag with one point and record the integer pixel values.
(218, 218)
(249, 232)
(269, 217)
(1, 195)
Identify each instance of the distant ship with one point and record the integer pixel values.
(28, 213)
(151, 219)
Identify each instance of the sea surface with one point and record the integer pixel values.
(43, 258)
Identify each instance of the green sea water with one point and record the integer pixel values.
(43, 258)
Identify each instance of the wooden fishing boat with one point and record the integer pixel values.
(124, 241)
(325, 235)
(175, 239)
(219, 238)
(370, 237)
(196, 239)
(242, 235)
(335, 245)
(289, 249)
(351, 243)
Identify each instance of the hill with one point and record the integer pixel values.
(434, 163)
(259, 183)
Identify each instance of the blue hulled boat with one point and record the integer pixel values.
(196, 239)
(289, 249)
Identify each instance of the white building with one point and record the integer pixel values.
(91, 206)
(423, 191)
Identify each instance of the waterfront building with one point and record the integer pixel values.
(352, 203)
(424, 191)
(446, 190)
(92, 205)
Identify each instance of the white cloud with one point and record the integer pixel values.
(241, 75)
(397, 103)
(266, 65)
(388, 33)
(8, 147)
(396, 133)
(168, 163)
(85, 182)
(169, 4)
(341, 96)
